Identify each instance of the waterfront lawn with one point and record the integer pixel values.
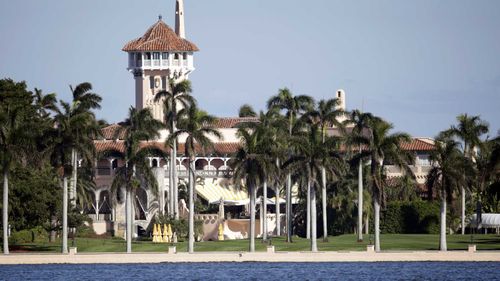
(389, 242)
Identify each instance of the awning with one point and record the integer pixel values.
(214, 191)
(487, 220)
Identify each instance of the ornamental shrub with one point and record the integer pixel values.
(410, 217)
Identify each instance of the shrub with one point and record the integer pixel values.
(410, 217)
(181, 226)
(28, 236)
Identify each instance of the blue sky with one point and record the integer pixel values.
(418, 64)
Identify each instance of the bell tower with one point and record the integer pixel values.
(157, 56)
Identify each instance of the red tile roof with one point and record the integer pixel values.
(118, 146)
(160, 37)
(417, 145)
(232, 122)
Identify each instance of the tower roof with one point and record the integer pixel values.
(160, 37)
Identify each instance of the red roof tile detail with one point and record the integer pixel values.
(232, 122)
(160, 37)
(118, 146)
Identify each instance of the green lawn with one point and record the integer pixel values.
(389, 242)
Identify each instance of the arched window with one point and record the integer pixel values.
(154, 163)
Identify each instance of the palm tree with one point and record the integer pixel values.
(326, 115)
(83, 102)
(312, 156)
(383, 147)
(17, 125)
(197, 126)
(294, 106)
(469, 130)
(361, 126)
(73, 130)
(176, 97)
(246, 111)
(445, 176)
(139, 126)
(270, 129)
(250, 166)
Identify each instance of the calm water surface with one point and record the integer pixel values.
(258, 271)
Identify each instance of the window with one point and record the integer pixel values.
(164, 82)
(147, 56)
(176, 56)
(184, 56)
(151, 82)
(164, 56)
(155, 163)
(156, 56)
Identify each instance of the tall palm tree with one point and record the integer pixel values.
(326, 115)
(293, 106)
(176, 97)
(140, 126)
(381, 146)
(361, 126)
(469, 130)
(250, 166)
(445, 176)
(73, 130)
(270, 130)
(16, 137)
(312, 156)
(197, 126)
(84, 101)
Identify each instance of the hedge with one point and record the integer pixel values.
(410, 217)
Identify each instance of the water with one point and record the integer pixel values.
(257, 271)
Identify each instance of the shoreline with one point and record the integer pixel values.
(203, 257)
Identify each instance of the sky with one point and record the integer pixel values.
(417, 64)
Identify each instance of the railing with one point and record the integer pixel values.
(164, 62)
(205, 174)
(102, 217)
(185, 62)
(176, 63)
(147, 62)
(156, 62)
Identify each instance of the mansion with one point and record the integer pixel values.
(161, 54)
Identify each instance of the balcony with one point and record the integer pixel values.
(147, 62)
(156, 62)
(206, 174)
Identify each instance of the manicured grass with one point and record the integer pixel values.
(389, 242)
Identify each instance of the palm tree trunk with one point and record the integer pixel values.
(289, 209)
(314, 244)
(289, 195)
(171, 185)
(323, 204)
(308, 220)
(191, 205)
(442, 228)
(376, 208)
(65, 216)
(5, 211)
(264, 212)
(367, 225)
(175, 187)
(278, 206)
(128, 214)
(278, 211)
(463, 211)
(74, 178)
(252, 218)
(360, 201)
